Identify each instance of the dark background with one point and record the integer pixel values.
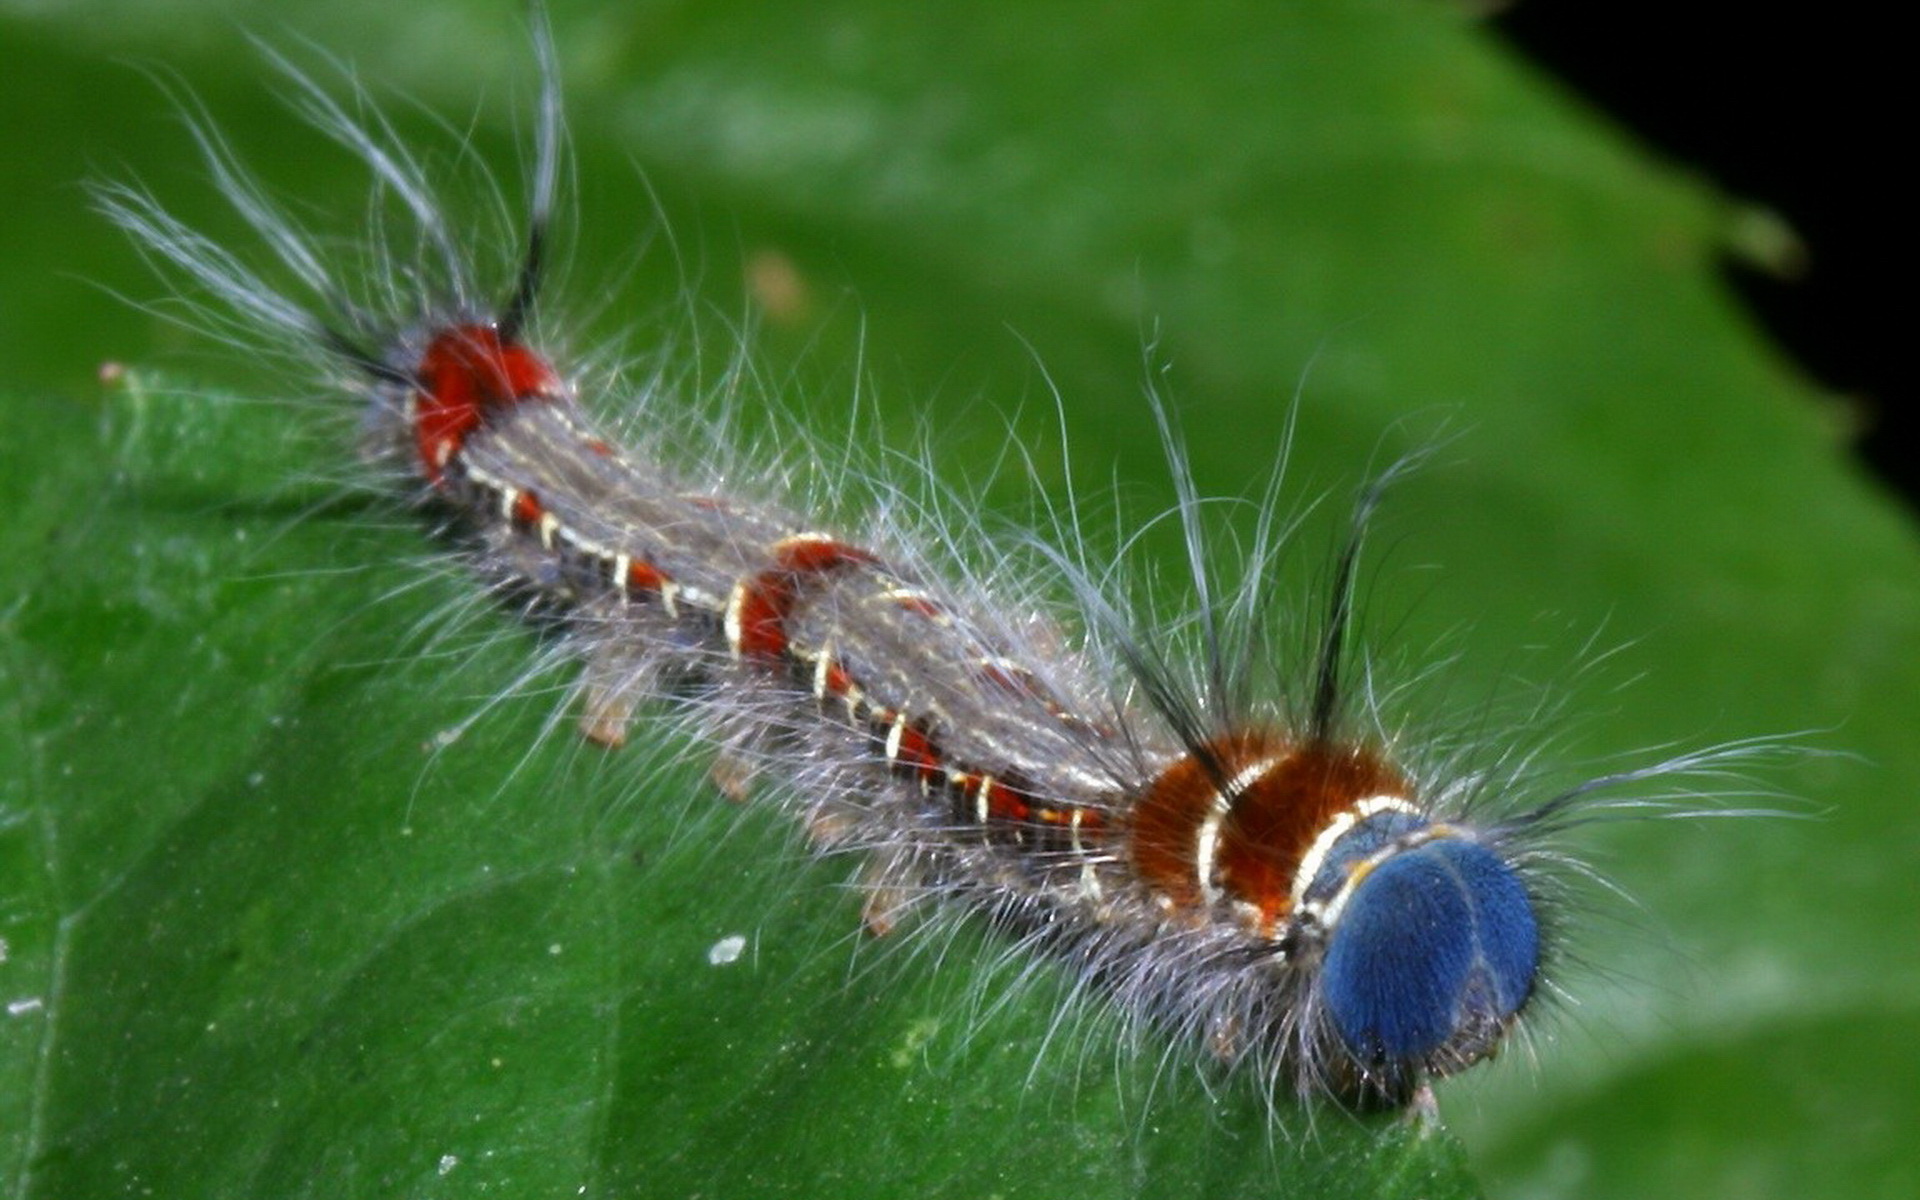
(1792, 110)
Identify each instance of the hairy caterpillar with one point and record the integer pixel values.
(1262, 878)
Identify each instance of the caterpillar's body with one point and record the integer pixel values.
(1203, 868)
(1258, 877)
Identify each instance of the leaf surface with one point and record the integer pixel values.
(307, 890)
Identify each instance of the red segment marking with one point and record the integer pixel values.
(757, 614)
(839, 683)
(643, 576)
(1005, 803)
(527, 509)
(807, 553)
(467, 375)
(915, 753)
(757, 611)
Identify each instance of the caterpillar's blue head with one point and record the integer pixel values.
(1404, 945)
(1431, 942)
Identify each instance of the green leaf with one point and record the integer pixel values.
(306, 887)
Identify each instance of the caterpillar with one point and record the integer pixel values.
(1262, 874)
